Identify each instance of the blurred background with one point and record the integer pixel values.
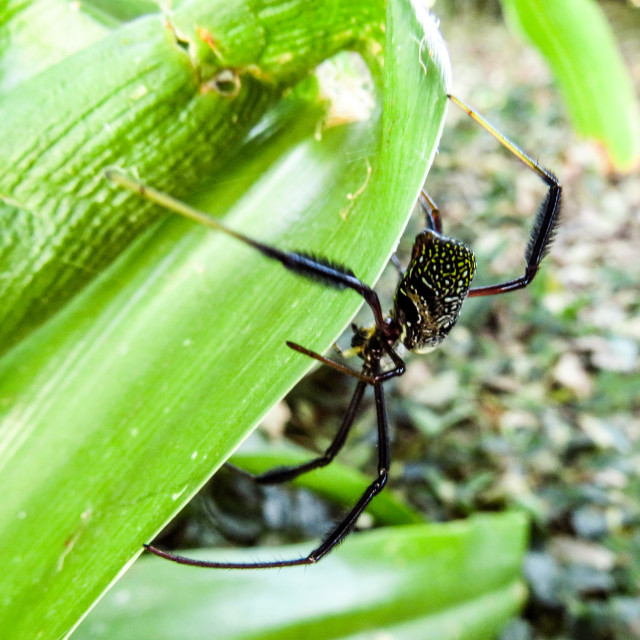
(534, 400)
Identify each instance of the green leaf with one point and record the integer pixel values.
(121, 406)
(459, 581)
(29, 44)
(576, 40)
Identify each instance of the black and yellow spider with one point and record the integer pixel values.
(426, 306)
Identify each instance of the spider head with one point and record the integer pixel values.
(430, 294)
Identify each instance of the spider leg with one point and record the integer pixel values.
(314, 268)
(337, 277)
(431, 211)
(433, 221)
(384, 460)
(398, 370)
(284, 474)
(396, 263)
(546, 221)
(341, 530)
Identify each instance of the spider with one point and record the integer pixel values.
(427, 303)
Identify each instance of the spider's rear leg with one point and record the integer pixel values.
(341, 530)
(546, 221)
(284, 474)
(433, 220)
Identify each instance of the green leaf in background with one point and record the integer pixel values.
(121, 406)
(576, 40)
(459, 581)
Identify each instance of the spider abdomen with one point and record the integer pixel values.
(430, 294)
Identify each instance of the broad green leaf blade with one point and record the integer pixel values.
(574, 37)
(430, 582)
(115, 412)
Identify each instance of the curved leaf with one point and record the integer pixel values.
(115, 412)
(574, 37)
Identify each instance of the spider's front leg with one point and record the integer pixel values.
(546, 220)
(306, 265)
